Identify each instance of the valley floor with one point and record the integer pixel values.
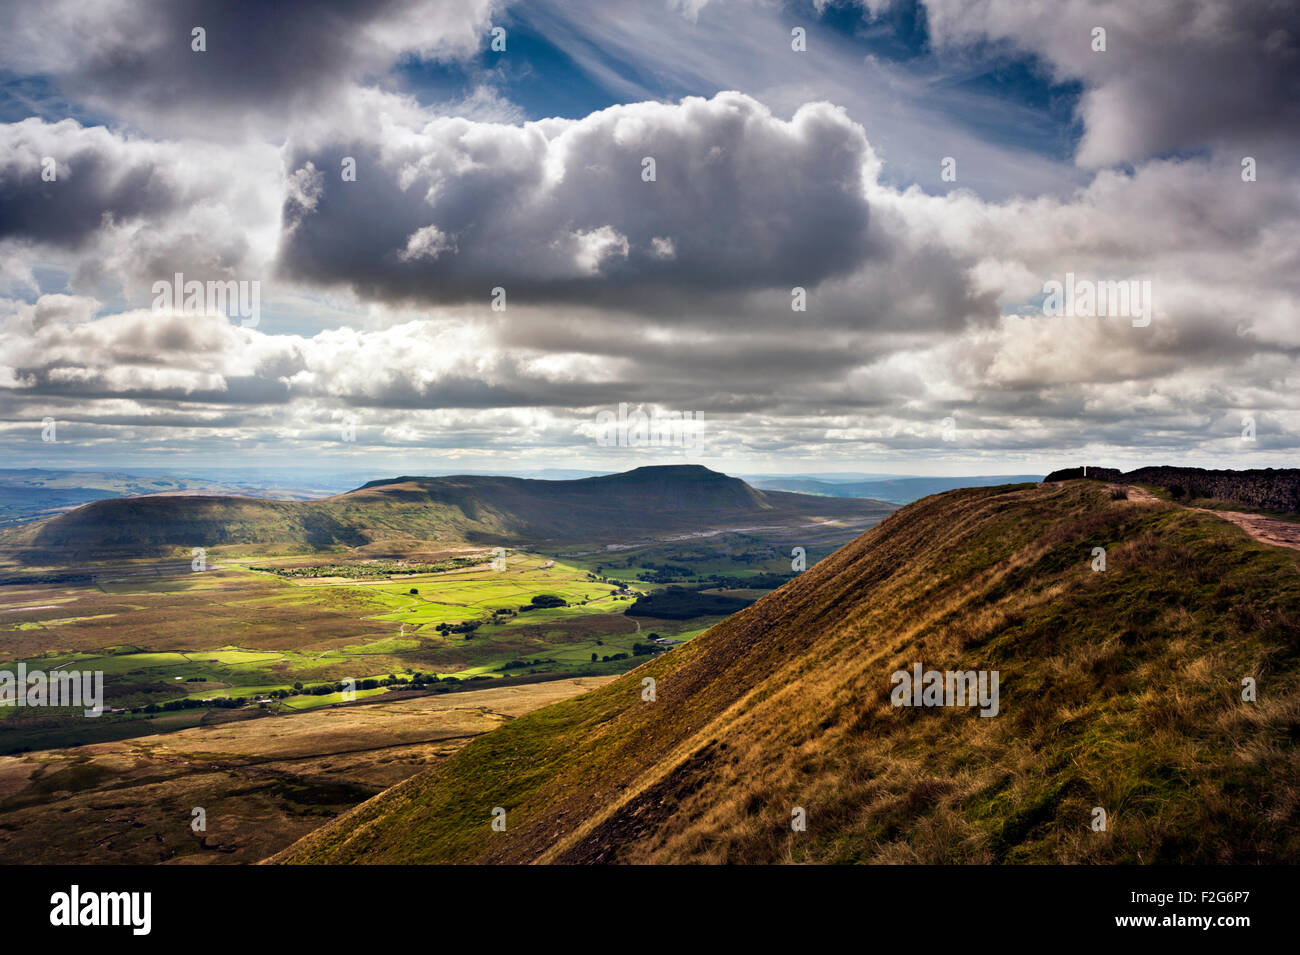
(261, 783)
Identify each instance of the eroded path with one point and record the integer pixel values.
(1268, 530)
(1265, 529)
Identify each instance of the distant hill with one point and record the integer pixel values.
(645, 502)
(1118, 689)
(901, 490)
(1269, 489)
(28, 494)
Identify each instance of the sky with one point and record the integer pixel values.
(826, 234)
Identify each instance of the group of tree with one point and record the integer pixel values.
(414, 681)
(543, 602)
(376, 568)
(520, 664)
(681, 603)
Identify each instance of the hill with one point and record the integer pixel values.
(640, 503)
(1119, 689)
(1270, 489)
(29, 494)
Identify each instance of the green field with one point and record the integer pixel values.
(328, 699)
(401, 634)
(244, 633)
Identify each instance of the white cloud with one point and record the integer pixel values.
(593, 247)
(427, 242)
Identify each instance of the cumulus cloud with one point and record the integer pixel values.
(61, 183)
(60, 346)
(564, 210)
(112, 205)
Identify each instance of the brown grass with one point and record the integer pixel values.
(263, 783)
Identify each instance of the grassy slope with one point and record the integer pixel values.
(1119, 689)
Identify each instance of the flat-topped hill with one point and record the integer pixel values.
(645, 502)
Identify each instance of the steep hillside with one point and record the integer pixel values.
(643, 502)
(1120, 689)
